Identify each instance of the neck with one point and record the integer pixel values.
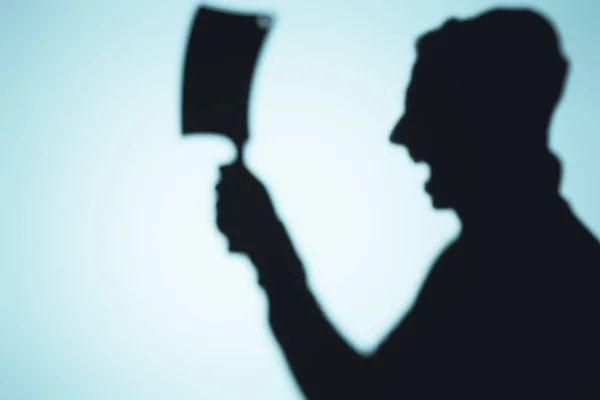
(527, 194)
(510, 213)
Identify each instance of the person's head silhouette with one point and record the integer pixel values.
(478, 109)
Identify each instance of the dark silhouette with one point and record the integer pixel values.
(222, 53)
(510, 309)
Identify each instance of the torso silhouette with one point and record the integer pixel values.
(510, 315)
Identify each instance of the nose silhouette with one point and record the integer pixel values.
(399, 132)
(403, 135)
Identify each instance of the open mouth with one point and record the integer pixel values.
(416, 158)
(427, 186)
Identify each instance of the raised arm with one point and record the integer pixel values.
(324, 365)
(420, 357)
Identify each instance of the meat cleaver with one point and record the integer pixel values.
(222, 53)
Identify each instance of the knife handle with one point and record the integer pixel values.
(240, 147)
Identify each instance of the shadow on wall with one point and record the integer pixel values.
(509, 309)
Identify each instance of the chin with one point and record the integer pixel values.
(439, 194)
(439, 203)
(437, 206)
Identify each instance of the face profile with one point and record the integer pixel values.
(479, 103)
(434, 129)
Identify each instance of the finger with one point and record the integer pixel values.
(227, 183)
(237, 171)
(239, 243)
(225, 189)
(232, 169)
(228, 196)
(228, 227)
(234, 248)
(234, 238)
(229, 208)
(235, 186)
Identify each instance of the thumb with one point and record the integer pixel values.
(236, 168)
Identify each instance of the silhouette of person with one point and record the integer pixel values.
(509, 310)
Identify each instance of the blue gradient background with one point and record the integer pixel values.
(114, 282)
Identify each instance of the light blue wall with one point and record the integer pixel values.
(114, 283)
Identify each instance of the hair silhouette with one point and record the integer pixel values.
(510, 309)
